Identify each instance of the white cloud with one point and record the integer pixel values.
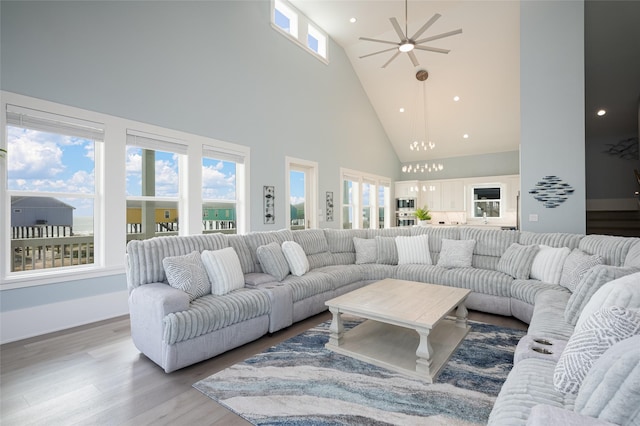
(29, 158)
(296, 200)
(217, 185)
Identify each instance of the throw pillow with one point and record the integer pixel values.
(187, 273)
(595, 278)
(224, 270)
(575, 266)
(602, 330)
(517, 260)
(296, 258)
(548, 263)
(623, 292)
(366, 250)
(456, 253)
(273, 261)
(633, 256)
(612, 384)
(413, 250)
(387, 252)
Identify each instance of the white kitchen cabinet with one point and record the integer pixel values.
(430, 195)
(513, 187)
(406, 189)
(452, 194)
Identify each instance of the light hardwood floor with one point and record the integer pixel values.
(94, 375)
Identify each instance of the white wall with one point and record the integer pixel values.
(552, 110)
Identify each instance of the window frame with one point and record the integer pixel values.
(300, 35)
(359, 178)
(310, 169)
(110, 194)
(500, 201)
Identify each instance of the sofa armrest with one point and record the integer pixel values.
(160, 298)
(544, 415)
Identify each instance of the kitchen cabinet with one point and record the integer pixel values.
(430, 195)
(452, 195)
(406, 189)
(512, 189)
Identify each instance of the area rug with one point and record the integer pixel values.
(299, 382)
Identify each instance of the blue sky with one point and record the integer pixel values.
(296, 186)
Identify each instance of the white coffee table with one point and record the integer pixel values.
(408, 328)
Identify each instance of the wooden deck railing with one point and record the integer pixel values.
(39, 253)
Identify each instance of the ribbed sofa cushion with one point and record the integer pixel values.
(484, 281)
(489, 242)
(613, 250)
(342, 275)
(310, 284)
(210, 313)
(315, 245)
(375, 271)
(548, 315)
(388, 232)
(239, 244)
(552, 239)
(528, 290)
(144, 264)
(429, 274)
(529, 383)
(341, 240)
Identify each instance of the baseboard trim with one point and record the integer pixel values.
(38, 320)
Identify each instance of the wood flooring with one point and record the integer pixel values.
(94, 375)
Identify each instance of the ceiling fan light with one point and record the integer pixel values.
(406, 46)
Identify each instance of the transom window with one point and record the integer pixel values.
(290, 22)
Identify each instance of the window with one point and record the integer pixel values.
(152, 182)
(219, 194)
(486, 201)
(290, 22)
(51, 188)
(302, 177)
(366, 194)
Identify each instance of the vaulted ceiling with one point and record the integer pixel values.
(482, 69)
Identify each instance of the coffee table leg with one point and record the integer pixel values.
(461, 316)
(336, 329)
(424, 354)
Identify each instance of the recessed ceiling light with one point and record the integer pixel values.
(456, 98)
(601, 112)
(353, 20)
(466, 136)
(401, 109)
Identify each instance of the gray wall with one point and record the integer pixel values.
(496, 164)
(213, 68)
(552, 110)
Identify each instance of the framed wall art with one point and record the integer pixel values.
(269, 204)
(329, 201)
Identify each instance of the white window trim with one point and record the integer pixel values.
(111, 193)
(311, 186)
(300, 38)
(471, 212)
(359, 178)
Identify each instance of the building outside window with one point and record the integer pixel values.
(152, 184)
(51, 188)
(218, 195)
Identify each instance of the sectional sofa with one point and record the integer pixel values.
(186, 307)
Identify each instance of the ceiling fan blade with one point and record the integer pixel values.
(439, 36)
(381, 51)
(379, 41)
(432, 49)
(395, 55)
(396, 27)
(413, 58)
(426, 26)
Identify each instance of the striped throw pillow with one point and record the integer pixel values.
(224, 270)
(296, 258)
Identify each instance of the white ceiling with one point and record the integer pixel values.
(483, 69)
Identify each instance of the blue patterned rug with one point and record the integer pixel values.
(299, 382)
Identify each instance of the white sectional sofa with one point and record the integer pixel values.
(174, 328)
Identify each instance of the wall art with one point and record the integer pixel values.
(269, 193)
(627, 149)
(329, 206)
(551, 191)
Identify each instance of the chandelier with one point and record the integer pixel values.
(424, 144)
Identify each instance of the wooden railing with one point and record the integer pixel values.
(40, 253)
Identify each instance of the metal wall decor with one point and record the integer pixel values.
(269, 204)
(329, 206)
(627, 149)
(551, 191)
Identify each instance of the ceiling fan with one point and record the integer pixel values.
(408, 44)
